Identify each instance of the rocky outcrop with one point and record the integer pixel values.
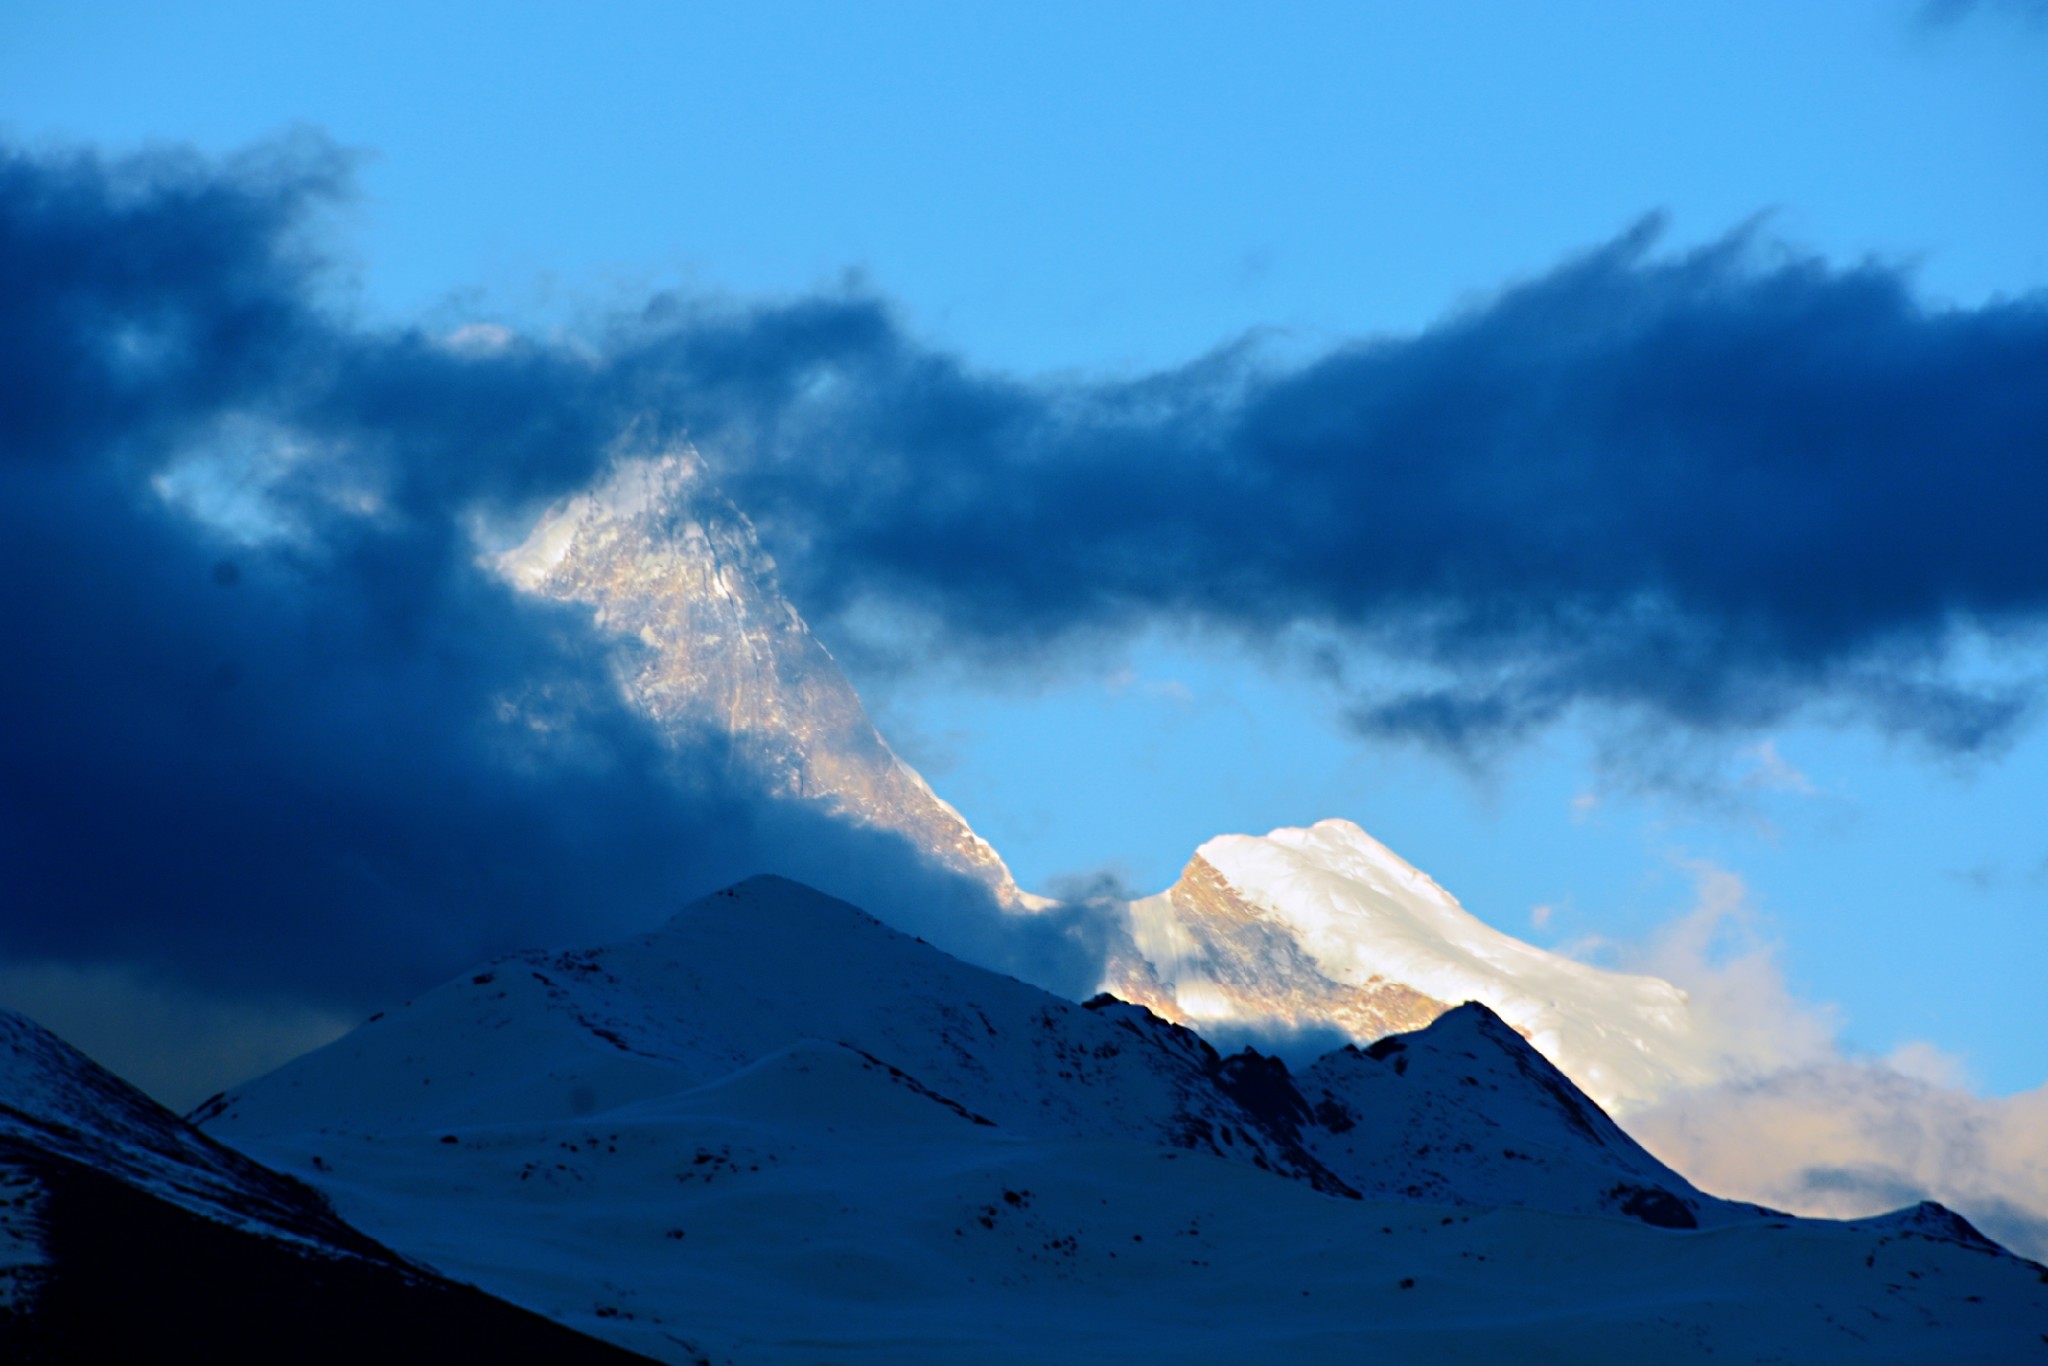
(1204, 952)
(675, 572)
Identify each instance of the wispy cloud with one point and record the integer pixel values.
(1709, 488)
(1846, 1137)
(1799, 1123)
(1767, 770)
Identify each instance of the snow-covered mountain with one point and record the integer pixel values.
(127, 1235)
(670, 567)
(1315, 929)
(1289, 939)
(1328, 927)
(777, 1130)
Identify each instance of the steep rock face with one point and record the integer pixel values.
(1200, 952)
(1327, 926)
(671, 567)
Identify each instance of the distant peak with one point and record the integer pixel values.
(1930, 1219)
(1323, 924)
(774, 895)
(1474, 1015)
(761, 884)
(673, 571)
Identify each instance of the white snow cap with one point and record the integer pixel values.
(1360, 910)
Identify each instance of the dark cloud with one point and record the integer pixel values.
(315, 753)
(302, 739)
(1708, 487)
(144, 293)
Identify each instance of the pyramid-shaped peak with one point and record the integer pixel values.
(774, 895)
(1475, 1025)
(674, 572)
(1475, 1018)
(1381, 942)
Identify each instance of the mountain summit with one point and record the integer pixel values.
(775, 1130)
(1327, 927)
(675, 572)
(1314, 929)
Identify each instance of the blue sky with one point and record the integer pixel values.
(1089, 194)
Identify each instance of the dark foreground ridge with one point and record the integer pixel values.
(777, 1131)
(130, 1236)
(129, 1277)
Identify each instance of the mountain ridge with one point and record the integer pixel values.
(1324, 925)
(125, 1234)
(806, 1134)
(673, 572)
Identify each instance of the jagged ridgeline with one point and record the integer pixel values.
(665, 560)
(1301, 930)
(776, 1130)
(128, 1235)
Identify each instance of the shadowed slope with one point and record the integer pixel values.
(126, 1235)
(785, 1132)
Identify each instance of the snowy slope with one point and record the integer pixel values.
(127, 1235)
(54, 1100)
(735, 982)
(1343, 931)
(1466, 1112)
(1312, 929)
(776, 1130)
